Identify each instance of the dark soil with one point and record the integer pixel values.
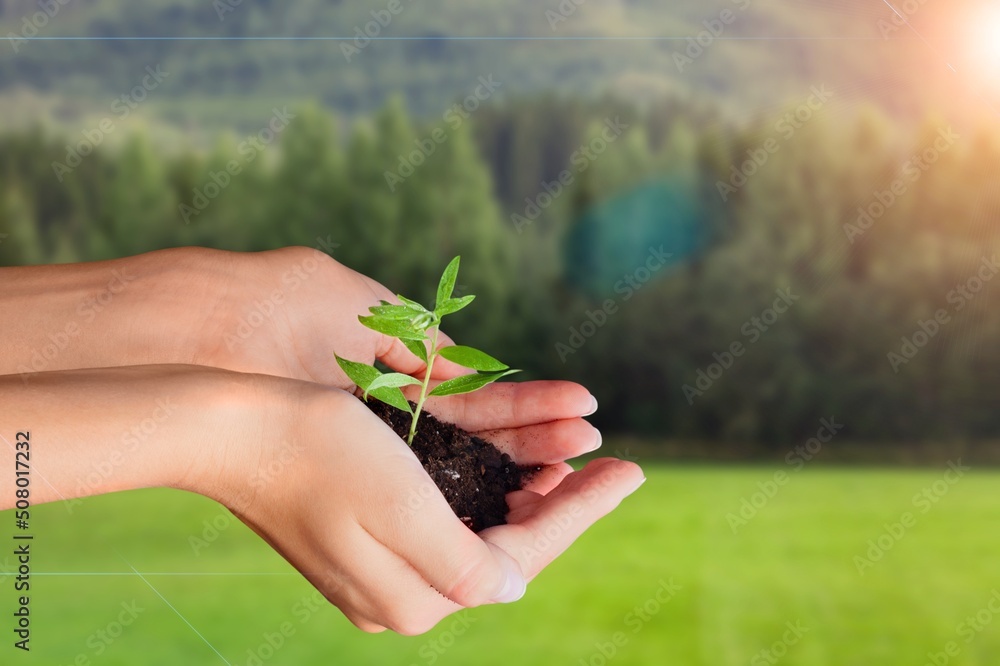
(472, 474)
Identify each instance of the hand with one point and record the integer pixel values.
(288, 312)
(283, 313)
(351, 512)
(322, 479)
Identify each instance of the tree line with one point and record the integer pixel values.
(847, 272)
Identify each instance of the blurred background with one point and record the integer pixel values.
(763, 232)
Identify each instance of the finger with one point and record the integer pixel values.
(395, 595)
(548, 478)
(364, 625)
(546, 443)
(509, 405)
(521, 499)
(446, 553)
(426, 533)
(348, 547)
(560, 518)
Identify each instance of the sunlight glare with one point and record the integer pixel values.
(987, 42)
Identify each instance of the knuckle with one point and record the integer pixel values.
(412, 624)
(471, 587)
(364, 624)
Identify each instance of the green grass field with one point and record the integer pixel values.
(792, 563)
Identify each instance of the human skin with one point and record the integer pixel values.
(284, 312)
(338, 505)
(197, 307)
(205, 307)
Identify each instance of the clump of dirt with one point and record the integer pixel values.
(472, 474)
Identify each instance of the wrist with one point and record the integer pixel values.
(149, 309)
(236, 423)
(184, 299)
(284, 427)
(185, 427)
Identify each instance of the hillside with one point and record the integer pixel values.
(769, 52)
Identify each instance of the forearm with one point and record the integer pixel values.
(152, 308)
(98, 431)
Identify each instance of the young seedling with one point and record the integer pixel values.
(414, 325)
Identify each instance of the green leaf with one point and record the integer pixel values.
(392, 311)
(392, 380)
(396, 328)
(447, 284)
(453, 305)
(365, 376)
(469, 383)
(392, 396)
(467, 357)
(359, 373)
(411, 304)
(418, 349)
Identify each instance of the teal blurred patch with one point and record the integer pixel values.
(615, 237)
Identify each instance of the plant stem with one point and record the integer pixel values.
(431, 355)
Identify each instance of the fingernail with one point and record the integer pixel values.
(593, 406)
(599, 442)
(514, 588)
(637, 486)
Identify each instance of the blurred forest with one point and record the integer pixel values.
(793, 225)
(842, 44)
